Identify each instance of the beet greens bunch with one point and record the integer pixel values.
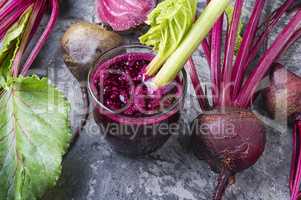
(234, 90)
(34, 122)
(230, 59)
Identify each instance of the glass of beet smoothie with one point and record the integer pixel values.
(135, 118)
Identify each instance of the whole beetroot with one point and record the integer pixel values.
(83, 43)
(230, 141)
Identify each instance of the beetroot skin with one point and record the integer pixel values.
(230, 141)
(123, 15)
(283, 97)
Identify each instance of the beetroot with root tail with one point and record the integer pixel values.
(123, 15)
(283, 96)
(230, 140)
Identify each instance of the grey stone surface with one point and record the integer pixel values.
(92, 171)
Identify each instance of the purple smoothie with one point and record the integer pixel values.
(122, 87)
(130, 113)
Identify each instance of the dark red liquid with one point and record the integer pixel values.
(122, 87)
(132, 112)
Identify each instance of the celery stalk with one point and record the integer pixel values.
(191, 42)
(169, 22)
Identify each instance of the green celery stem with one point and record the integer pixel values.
(155, 65)
(196, 35)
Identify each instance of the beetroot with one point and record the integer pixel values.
(232, 86)
(230, 138)
(123, 15)
(83, 43)
(283, 102)
(230, 141)
(283, 96)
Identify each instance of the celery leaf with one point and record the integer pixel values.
(169, 23)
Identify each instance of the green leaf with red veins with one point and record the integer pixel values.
(34, 135)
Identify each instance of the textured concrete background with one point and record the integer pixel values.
(91, 171)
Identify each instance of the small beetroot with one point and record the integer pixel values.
(83, 43)
(123, 15)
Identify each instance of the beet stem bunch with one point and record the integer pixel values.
(231, 86)
(10, 13)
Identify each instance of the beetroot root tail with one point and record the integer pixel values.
(222, 184)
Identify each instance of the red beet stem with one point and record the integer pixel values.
(39, 18)
(222, 184)
(291, 41)
(207, 50)
(274, 17)
(43, 38)
(266, 61)
(9, 8)
(293, 161)
(209, 37)
(295, 175)
(2, 3)
(295, 5)
(10, 20)
(216, 43)
(270, 25)
(25, 38)
(277, 14)
(244, 51)
(203, 101)
(229, 54)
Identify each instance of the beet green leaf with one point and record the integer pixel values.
(34, 135)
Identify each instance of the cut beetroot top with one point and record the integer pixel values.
(123, 15)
